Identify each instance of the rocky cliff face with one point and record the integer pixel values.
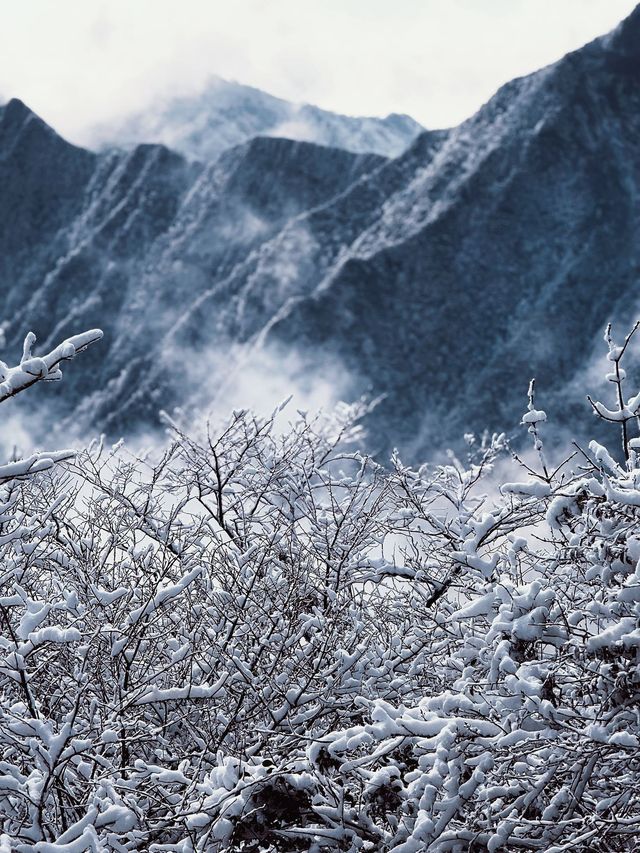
(442, 279)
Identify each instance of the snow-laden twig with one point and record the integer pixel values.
(33, 369)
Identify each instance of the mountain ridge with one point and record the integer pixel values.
(226, 114)
(441, 279)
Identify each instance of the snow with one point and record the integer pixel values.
(534, 416)
(530, 488)
(190, 691)
(31, 370)
(480, 607)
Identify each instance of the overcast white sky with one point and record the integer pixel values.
(77, 62)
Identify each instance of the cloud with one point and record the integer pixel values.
(79, 62)
(18, 437)
(260, 378)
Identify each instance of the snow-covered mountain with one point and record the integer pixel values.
(442, 279)
(226, 114)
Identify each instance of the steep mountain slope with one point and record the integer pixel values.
(129, 240)
(442, 279)
(502, 257)
(226, 114)
(482, 256)
(35, 165)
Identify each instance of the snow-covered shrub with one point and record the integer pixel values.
(32, 369)
(269, 642)
(530, 741)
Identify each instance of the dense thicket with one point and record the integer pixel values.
(265, 641)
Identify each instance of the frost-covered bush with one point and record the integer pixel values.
(32, 369)
(269, 642)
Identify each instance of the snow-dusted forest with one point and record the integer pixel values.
(264, 640)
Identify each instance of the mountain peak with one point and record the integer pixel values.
(625, 38)
(21, 129)
(226, 114)
(15, 112)
(18, 120)
(15, 105)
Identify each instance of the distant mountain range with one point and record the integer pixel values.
(226, 114)
(442, 278)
